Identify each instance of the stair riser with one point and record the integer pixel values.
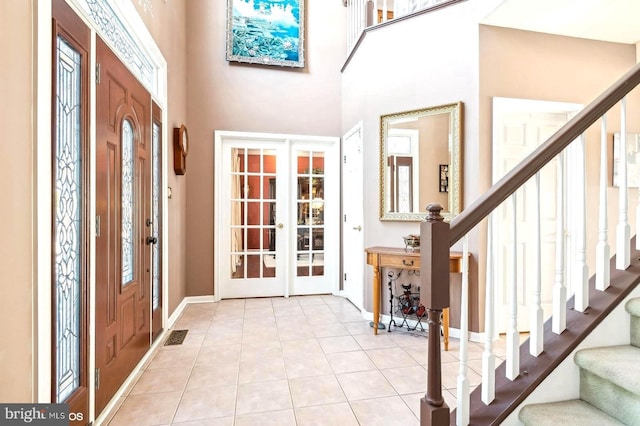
(635, 331)
(619, 403)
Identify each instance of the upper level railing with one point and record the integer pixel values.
(438, 236)
(362, 14)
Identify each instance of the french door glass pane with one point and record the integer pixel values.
(68, 220)
(310, 214)
(253, 207)
(127, 147)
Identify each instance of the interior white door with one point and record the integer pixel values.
(276, 215)
(353, 216)
(252, 224)
(519, 127)
(315, 189)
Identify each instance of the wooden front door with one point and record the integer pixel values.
(123, 210)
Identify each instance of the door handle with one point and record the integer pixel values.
(152, 240)
(358, 228)
(280, 226)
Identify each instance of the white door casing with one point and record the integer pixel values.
(353, 216)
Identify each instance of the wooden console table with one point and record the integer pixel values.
(396, 257)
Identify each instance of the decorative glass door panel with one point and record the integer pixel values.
(68, 224)
(310, 213)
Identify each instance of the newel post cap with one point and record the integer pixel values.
(434, 215)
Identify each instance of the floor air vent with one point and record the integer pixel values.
(176, 337)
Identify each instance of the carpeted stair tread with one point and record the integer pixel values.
(573, 412)
(633, 307)
(618, 364)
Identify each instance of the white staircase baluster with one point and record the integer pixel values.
(537, 335)
(623, 255)
(581, 276)
(603, 267)
(384, 11)
(488, 393)
(559, 321)
(462, 410)
(513, 340)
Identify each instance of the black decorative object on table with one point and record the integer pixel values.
(407, 304)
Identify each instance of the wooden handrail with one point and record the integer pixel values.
(490, 200)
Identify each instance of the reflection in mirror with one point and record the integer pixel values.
(420, 162)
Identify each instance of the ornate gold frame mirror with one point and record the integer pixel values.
(421, 162)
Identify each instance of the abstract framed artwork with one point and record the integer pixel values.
(267, 32)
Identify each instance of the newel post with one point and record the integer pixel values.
(434, 295)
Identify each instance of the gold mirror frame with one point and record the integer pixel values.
(454, 199)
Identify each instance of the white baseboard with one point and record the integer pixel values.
(190, 299)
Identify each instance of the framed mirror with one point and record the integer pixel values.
(421, 162)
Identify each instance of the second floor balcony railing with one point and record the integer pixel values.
(362, 14)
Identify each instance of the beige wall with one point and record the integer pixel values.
(167, 24)
(425, 61)
(16, 214)
(233, 96)
(523, 64)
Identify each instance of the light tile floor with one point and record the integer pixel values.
(308, 360)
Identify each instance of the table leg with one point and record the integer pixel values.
(445, 328)
(376, 299)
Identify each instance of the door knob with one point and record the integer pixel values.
(152, 240)
(280, 226)
(358, 228)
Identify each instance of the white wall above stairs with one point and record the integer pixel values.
(614, 330)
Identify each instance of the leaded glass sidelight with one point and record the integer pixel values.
(68, 205)
(127, 146)
(156, 216)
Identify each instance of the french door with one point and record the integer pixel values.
(276, 215)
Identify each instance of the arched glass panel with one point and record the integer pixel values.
(127, 145)
(68, 205)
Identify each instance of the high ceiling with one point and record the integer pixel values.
(608, 20)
